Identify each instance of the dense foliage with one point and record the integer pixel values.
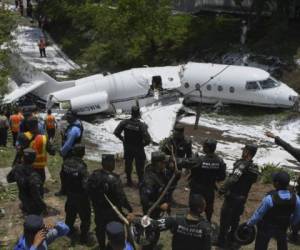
(129, 33)
(7, 22)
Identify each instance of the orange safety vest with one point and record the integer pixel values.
(39, 144)
(15, 121)
(50, 122)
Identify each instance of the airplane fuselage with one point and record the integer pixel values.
(195, 82)
(217, 83)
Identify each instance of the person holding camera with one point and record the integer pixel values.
(38, 235)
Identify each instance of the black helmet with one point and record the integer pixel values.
(32, 123)
(70, 116)
(135, 111)
(251, 148)
(245, 234)
(29, 155)
(158, 156)
(210, 145)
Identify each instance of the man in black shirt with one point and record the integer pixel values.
(134, 139)
(29, 183)
(179, 145)
(191, 232)
(76, 175)
(104, 182)
(206, 170)
(153, 185)
(236, 189)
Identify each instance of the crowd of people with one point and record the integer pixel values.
(117, 224)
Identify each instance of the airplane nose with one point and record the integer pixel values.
(286, 96)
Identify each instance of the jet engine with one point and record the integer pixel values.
(89, 104)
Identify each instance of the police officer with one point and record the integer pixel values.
(38, 234)
(294, 237)
(192, 231)
(134, 139)
(295, 152)
(206, 170)
(76, 175)
(72, 135)
(277, 210)
(104, 182)
(236, 189)
(29, 184)
(181, 145)
(153, 185)
(151, 188)
(116, 237)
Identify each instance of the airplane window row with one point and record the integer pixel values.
(220, 88)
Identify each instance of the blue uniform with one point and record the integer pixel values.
(73, 133)
(278, 210)
(267, 203)
(128, 246)
(60, 229)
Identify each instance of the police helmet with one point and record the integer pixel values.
(29, 155)
(108, 159)
(179, 128)
(70, 115)
(158, 157)
(196, 202)
(23, 141)
(33, 223)
(245, 234)
(251, 148)
(135, 111)
(115, 232)
(32, 123)
(210, 145)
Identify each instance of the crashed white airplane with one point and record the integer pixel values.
(196, 82)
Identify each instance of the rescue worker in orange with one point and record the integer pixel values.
(42, 47)
(14, 124)
(37, 142)
(50, 124)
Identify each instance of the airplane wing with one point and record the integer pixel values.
(160, 119)
(24, 89)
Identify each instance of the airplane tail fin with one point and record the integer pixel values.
(32, 80)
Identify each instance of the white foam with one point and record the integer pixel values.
(267, 153)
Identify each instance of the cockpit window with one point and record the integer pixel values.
(269, 83)
(252, 86)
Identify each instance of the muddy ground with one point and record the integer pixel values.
(11, 222)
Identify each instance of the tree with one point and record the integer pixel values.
(7, 23)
